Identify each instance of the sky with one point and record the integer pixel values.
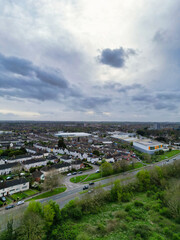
(80, 60)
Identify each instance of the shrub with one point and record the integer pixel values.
(128, 207)
(167, 232)
(101, 227)
(165, 212)
(143, 231)
(137, 214)
(111, 225)
(129, 219)
(83, 236)
(126, 196)
(149, 193)
(123, 226)
(121, 214)
(176, 236)
(138, 204)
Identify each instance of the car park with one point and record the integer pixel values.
(9, 207)
(69, 174)
(91, 183)
(85, 187)
(20, 203)
(3, 199)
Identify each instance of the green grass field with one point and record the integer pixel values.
(168, 155)
(78, 178)
(135, 220)
(92, 176)
(49, 194)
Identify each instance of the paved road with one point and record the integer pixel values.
(72, 193)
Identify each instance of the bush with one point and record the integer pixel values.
(165, 212)
(149, 193)
(128, 207)
(121, 214)
(176, 236)
(101, 227)
(143, 231)
(138, 204)
(167, 232)
(129, 219)
(111, 225)
(137, 214)
(123, 226)
(83, 236)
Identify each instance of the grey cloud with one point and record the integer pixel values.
(158, 101)
(22, 79)
(115, 57)
(122, 88)
(160, 36)
(167, 106)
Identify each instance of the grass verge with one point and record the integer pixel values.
(49, 194)
(78, 178)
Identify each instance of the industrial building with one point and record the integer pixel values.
(143, 144)
(147, 145)
(72, 134)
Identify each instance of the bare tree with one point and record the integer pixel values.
(17, 169)
(52, 180)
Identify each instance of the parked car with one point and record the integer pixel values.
(80, 172)
(97, 171)
(3, 199)
(20, 203)
(91, 183)
(74, 173)
(9, 178)
(85, 187)
(9, 206)
(69, 174)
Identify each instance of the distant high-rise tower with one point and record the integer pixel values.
(157, 126)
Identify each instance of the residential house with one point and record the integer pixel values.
(14, 186)
(8, 168)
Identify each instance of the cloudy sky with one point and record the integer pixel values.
(90, 60)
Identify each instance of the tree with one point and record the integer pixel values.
(96, 152)
(61, 143)
(52, 180)
(144, 179)
(147, 157)
(32, 227)
(123, 165)
(106, 169)
(17, 169)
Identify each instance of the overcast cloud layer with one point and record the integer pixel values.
(90, 60)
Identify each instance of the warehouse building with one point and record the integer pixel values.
(147, 145)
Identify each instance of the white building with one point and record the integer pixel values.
(8, 168)
(34, 163)
(14, 186)
(147, 145)
(72, 134)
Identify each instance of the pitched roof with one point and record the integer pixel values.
(12, 183)
(8, 165)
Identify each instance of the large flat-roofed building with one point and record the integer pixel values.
(72, 134)
(147, 145)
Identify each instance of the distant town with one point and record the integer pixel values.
(30, 151)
